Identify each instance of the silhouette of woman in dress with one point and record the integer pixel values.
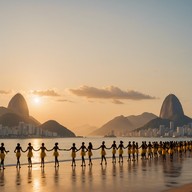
(18, 150)
(114, 148)
(120, 148)
(30, 150)
(56, 154)
(129, 147)
(73, 150)
(103, 152)
(2, 155)
(90, 148)
(42, 154)
(83, 153)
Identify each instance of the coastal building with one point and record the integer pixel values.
(25, 130)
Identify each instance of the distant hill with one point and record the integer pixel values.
(13, 119)
(140, 120)
(54, 126)
(171, 110)
(84, 130)
(4, 110)
(121, 125)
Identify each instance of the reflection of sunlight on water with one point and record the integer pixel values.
(36, 184)
(36, 145)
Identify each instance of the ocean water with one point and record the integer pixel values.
(142, 175)
(66, 143)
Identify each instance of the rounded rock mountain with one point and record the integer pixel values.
(18, 105)
(171, 108)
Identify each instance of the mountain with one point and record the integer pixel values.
(13, 119)
(84, 130)
(118, 124)
(18, 105)
(4, 110)
(171, 110)
(121, 125)
(54, 126)
(17, 111)
(140, 120)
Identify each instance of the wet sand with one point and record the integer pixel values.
(184, 188)
(146, 175)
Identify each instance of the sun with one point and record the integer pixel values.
(37, 100)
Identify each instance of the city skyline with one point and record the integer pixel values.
(87, 62)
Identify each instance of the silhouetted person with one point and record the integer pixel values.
(30, 150)
(137, 150)
(73, 150)
(149, 147)
(114, 148)
(129, 147)
(42, 154)
(83, 153)
(2, 155)
(134, 148)
(90, 148)
(56, 154)
(120, 148)
(143, 150)
(103, 153)
(18, 150)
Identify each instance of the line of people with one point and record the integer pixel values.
(147, 151)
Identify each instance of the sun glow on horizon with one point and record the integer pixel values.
(37, 100)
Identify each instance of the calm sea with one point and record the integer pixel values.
(66, 143)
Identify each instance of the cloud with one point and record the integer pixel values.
(115, 101)
(4, 92)
(50, 93)
(111, 92)
(65, 100)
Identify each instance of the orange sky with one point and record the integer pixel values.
(91, 61)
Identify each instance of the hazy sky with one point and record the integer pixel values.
(82, 62)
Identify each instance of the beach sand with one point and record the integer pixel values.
(184, 188)
(147, 175)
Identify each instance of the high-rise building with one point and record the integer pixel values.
(171, 125)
